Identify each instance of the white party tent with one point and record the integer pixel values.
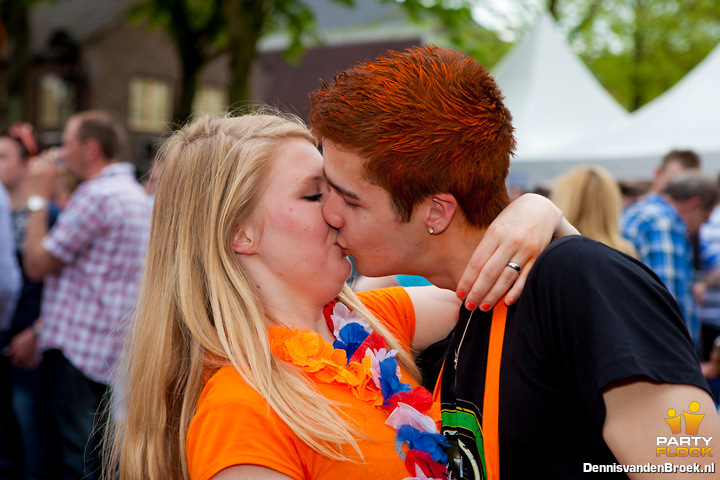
(687, 116)
(553, 97)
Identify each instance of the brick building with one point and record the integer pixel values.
(87, 55)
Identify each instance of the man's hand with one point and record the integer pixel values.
(699, 290)
(711, 368)
(22, 349)
(42, 173)
(518, 235)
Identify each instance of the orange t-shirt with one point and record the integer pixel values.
(233, 424)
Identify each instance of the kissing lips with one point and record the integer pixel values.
(343, 249)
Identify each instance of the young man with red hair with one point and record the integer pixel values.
(583, 368)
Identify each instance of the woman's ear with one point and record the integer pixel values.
(440, 212)
(243, 241)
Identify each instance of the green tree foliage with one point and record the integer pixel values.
(15, 33)
(247, 21)
(484, 45)
(637, 48)
(640, 48)
(202, 29)
(197, 29)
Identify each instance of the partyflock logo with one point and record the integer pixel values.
(689, 444)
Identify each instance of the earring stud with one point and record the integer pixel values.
(431, 230)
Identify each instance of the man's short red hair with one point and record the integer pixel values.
(428, 120)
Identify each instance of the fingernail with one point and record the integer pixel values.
(470, 306)
(485, 307)
(461, 294)
(510, 301)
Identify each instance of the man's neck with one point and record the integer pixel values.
(94, 169)
(683, 210)
(677, 206)
(449, 254)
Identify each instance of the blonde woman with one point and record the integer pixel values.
(590, 199)
(239, 362)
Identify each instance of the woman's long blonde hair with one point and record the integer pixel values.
(590, 199)
(196, 303)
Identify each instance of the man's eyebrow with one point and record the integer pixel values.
(340, 189)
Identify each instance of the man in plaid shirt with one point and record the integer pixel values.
(91, 261)
(659, 227)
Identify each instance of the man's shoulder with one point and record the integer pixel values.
(649, 209)
(572, 249)
(710, 231)
(652, 218)
(575, 260)
(117, 176)
(121, 189)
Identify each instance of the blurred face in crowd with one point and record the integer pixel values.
(12, 166)
(666, 175)
(695, 218)
(73, 150)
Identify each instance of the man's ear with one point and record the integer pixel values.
(695, 202)
(440, 212)
(689, 205)
(656, 174)
(93, 149)
(244, 241)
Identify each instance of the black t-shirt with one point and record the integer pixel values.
(588, 316)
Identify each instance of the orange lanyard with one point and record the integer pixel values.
(491, 400)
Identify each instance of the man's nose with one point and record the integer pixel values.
(330, 210)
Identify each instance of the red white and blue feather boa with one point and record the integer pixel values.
(360, 359)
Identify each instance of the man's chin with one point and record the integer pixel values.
(367, 270)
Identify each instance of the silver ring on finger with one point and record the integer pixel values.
(515, 266)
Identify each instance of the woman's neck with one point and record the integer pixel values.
(290, 302)
(294, 307)
(299, 315)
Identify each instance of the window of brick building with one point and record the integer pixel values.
(210, 100)
(56, 99)
(149, 104)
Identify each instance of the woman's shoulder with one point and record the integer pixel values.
(388, 304)
(394, 308)
(227, 386)
(234, 425)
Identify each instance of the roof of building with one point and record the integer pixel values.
(82, 20)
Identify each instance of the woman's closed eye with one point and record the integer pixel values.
(314, 198)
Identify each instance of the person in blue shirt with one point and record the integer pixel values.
(659, 228)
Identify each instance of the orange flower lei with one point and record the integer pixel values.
(417, 441)
(319, 360)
